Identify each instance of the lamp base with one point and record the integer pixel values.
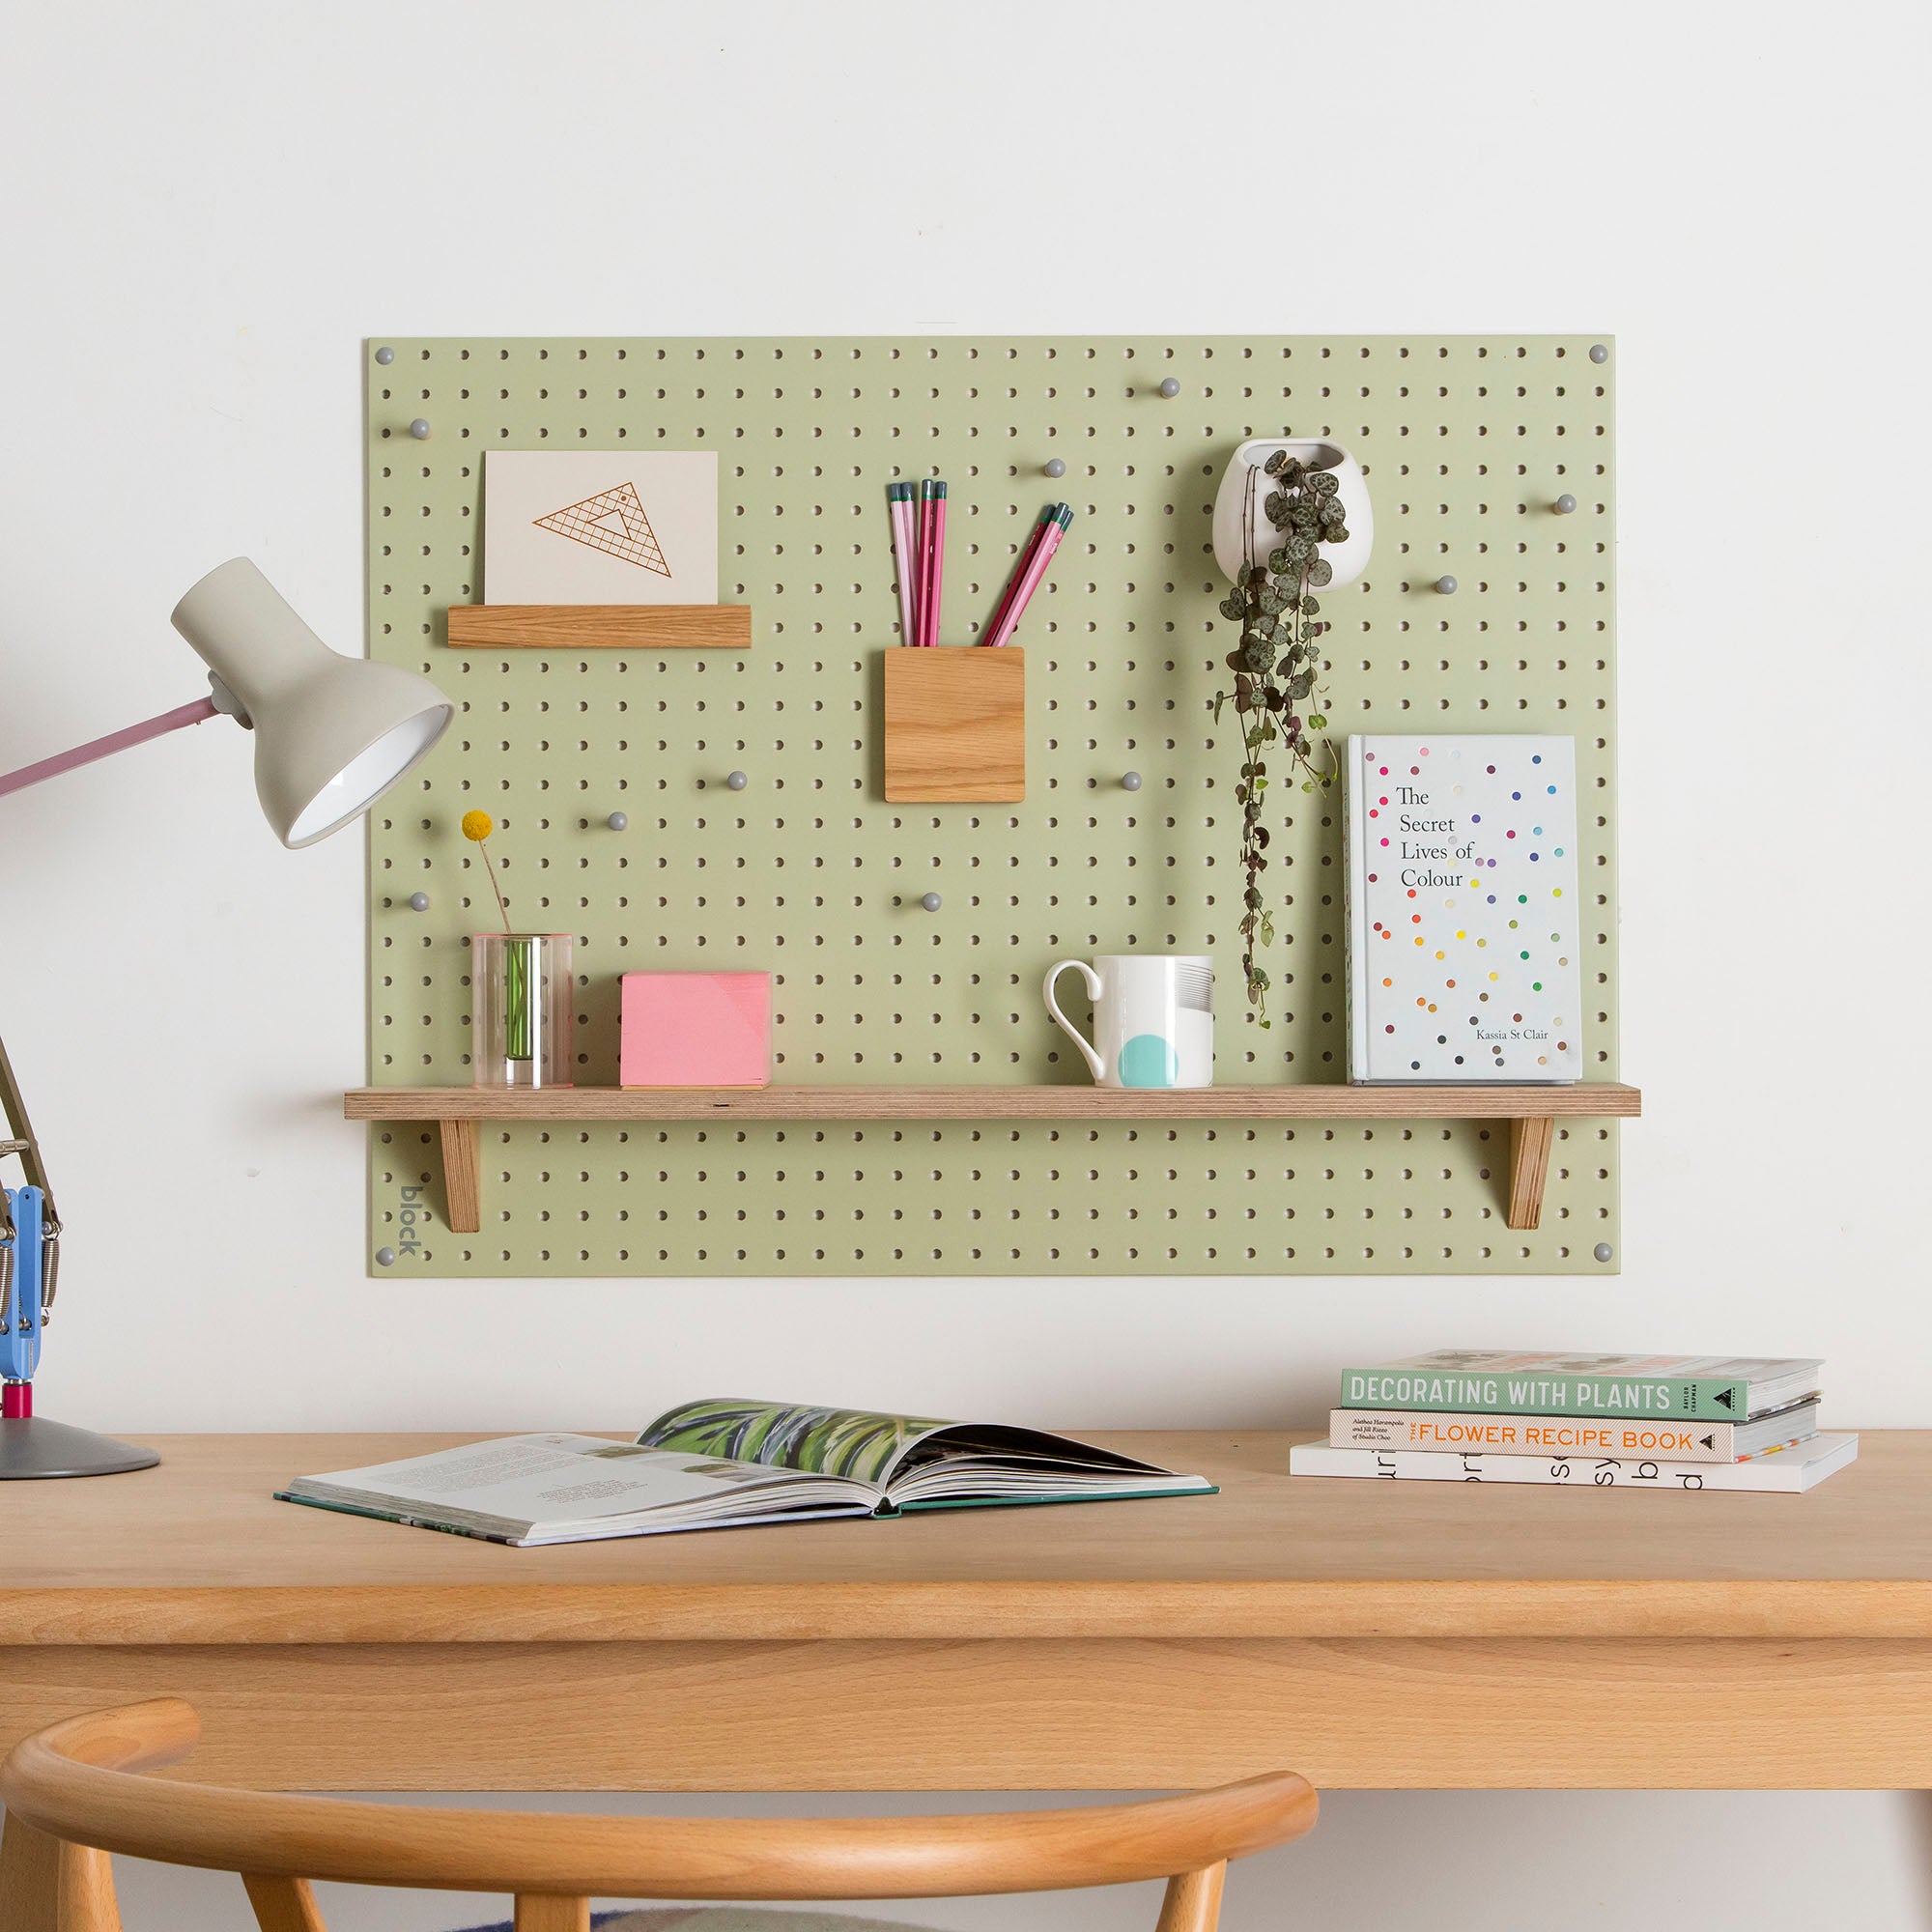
(32, 1449)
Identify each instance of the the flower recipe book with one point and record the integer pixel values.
(1462, 916)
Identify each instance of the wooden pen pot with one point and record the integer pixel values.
(955, 724)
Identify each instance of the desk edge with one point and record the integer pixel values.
(952, 1612)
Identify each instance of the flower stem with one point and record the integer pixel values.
(489, 865)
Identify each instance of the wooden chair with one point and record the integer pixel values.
(74, 1794)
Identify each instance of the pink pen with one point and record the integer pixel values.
(922, 550)
(1019, 571)
(905, 560)
(935, 566)
(1036, 570)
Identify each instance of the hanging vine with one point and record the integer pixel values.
(1278, 665)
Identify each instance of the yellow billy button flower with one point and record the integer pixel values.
(478, 827)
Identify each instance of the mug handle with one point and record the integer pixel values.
(1093, 980)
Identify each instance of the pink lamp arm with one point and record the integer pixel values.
(202, 709)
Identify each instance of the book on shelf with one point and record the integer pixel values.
(1463, 911)
(1693, 1389)
(1513, 1434)
(728, 1463)
(1787, 1471)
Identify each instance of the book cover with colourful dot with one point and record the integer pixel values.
(1463, 914)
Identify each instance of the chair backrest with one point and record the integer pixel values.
(80, 1782)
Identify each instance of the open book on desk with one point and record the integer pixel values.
(726, 1464)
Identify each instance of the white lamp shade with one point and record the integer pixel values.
(332, 733)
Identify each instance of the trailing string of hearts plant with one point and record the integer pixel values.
(1278, 665)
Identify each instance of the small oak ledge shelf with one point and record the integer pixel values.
(1532, 1113)
(600, 627)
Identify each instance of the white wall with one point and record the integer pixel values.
(207, 207)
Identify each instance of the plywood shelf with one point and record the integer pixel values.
(800, 1102)
(600, 627)
(1532, 1111)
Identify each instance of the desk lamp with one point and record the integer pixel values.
(333, 734)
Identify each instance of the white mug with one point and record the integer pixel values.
(1153, 1018)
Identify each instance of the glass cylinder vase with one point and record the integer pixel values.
(522, 1009)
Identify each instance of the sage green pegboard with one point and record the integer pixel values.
(1466, 443)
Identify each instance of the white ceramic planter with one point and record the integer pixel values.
(1233, 544)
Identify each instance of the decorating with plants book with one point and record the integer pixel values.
(728, 1463)
(1463, 911)
(1504, 1382)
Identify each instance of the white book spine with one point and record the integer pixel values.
(1355, 1014)
(1503, 1435)
(1794, 1470)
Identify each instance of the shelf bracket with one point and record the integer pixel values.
(1530, 1142)
(462, 1176)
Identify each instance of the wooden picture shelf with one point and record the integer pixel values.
(1532, 1113)
(600, 627)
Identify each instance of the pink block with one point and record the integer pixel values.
(696, 1030)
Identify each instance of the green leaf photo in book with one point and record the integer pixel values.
(862, 1444)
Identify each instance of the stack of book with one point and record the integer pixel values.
(1676, 1422)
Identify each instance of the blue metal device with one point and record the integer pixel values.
(23, 1246)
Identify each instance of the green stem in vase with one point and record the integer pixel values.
(520, 979)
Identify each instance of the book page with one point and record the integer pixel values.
(1020, 1478)
(551, 1481)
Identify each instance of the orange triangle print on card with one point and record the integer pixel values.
(613, 521)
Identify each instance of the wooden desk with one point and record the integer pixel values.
(1374, 1634)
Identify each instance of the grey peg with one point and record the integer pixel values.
(1446, 585)
(618, 820)
(932, 901)
(385, 356)
(1170, 386)
(419, 429)
(1131, 782)
(1604, 1251)
(1565, 504)
(737, 781)
(1056, 467)
(386, 1258)
(418, 901)
(1600, 352)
